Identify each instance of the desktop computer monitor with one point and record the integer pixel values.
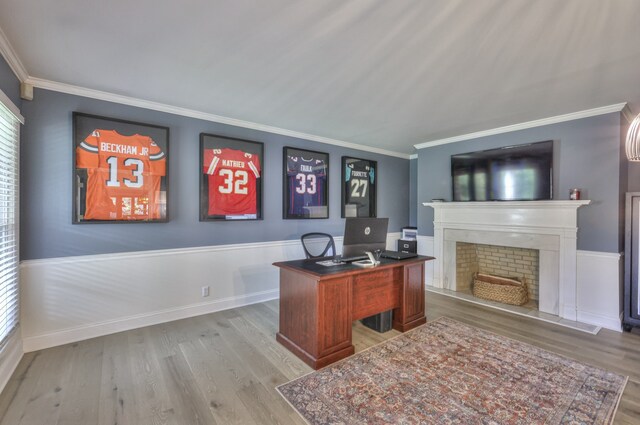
(364, 234)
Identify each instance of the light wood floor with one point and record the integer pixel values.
(222, 369)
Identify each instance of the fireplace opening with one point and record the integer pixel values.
(507, 262)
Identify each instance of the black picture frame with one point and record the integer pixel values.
(359, 187)
(120, 171)
(231, 178)
(305, 192)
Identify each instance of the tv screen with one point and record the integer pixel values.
(512, 173)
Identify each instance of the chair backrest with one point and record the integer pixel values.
(317, 244)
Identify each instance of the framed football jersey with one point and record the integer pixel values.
(231, 173)
(359, 180)
(120, 171)
(305, 184)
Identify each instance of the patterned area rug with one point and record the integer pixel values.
(446, 372)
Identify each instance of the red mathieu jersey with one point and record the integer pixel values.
(124, 174)
(232, 181)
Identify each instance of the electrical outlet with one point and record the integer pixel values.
(205, 291)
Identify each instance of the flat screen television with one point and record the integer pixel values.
(512, 173)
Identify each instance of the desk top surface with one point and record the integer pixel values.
(311, 266)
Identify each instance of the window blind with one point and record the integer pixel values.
(9, 218)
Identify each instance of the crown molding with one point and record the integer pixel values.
(175, 110)
(618, 107)
(627, 114)
(413, 156)
(20, 71)
(12, 58)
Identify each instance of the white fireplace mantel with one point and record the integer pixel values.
(548, 226)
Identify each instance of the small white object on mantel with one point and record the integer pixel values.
(548, 226)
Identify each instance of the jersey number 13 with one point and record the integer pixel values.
(136, 172)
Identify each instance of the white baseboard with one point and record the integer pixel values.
(70, 299)
(606, 322)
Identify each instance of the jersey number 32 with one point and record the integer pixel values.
(234, 182)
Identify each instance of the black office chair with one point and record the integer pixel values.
(317, 244)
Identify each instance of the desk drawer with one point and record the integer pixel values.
(376, 291)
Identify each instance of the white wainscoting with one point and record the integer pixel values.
(599, 284)
(74, 298)
(10, 357)
(600, 281)
(425, 247)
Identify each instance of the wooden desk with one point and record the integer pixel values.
(318, 303)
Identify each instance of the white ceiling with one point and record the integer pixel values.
(386, 74)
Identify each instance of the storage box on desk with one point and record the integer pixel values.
(502, 289)
(407, 246)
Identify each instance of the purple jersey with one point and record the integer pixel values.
(307, 180)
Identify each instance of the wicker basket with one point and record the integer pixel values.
(503, 289)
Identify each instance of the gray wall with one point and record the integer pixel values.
(9, 83)
(587, 155)
(46, 229)
(634, 177)
(413, 192)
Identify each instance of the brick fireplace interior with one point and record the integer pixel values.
(521, 263)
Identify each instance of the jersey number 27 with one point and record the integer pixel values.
(359, 188)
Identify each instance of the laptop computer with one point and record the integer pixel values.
(397, 255)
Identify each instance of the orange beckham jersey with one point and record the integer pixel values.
(232, 178)
(124, 174)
